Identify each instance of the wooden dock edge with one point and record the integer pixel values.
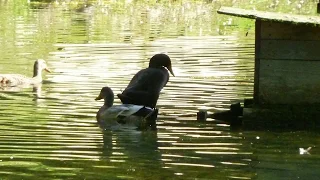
(281, 117)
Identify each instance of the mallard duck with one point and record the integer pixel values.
(18, 79)
(125, 115)
(145, 86)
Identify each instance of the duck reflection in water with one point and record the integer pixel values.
(132, 150)
(145, 86)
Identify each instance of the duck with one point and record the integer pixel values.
(114, 117)
(12, 80)
(146, 85)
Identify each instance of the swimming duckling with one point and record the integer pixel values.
(10, 80)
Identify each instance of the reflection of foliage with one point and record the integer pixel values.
(48, 22)
(288, 6)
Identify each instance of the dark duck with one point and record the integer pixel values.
(145, 86)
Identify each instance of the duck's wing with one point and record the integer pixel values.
(123, 110)
(109, 118)
(145, 86)
(128, 109)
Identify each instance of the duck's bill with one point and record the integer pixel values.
(170, 69)
(47, 69)
(98, 98)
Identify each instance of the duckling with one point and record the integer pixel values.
(114, 117)
(10, 80)
(145, 86)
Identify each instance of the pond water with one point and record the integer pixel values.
(50, 132)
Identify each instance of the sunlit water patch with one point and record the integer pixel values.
(59, 123)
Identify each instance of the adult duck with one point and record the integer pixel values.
(145, 86)
(112, 116)
(10, 80)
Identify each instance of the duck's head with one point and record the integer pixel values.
(161, 60)
(106, 93)
(40, 65)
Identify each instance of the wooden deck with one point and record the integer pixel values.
(287, 57)
(287, 71)
(270, 16)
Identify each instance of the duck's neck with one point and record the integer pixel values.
(108, 102)
(151, 65)
(36, 70)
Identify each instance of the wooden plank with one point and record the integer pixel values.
(292, 50)
(257, 61)
(298, 117)
(289, 82)
(270, 16)
(288, 31)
